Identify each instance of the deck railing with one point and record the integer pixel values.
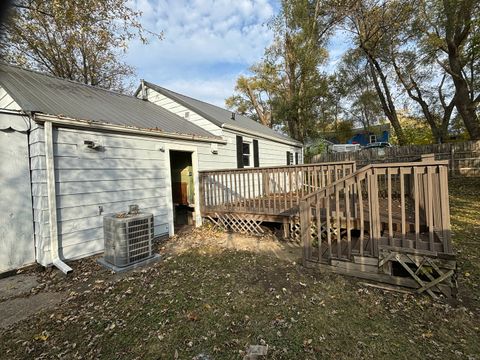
(266, 190)
(402, 205)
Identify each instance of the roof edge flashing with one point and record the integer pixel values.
(69, 122)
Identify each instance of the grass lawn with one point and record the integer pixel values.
(210, 302)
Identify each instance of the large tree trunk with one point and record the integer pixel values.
(386, 100)
(466, 106)
(458, 27)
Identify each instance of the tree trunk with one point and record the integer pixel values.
(466, 106)
(386, 99)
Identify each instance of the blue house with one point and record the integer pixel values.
(379, 133)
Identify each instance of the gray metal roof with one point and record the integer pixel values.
(41, 93)
(218, 115)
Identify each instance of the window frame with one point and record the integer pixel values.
(248, 155)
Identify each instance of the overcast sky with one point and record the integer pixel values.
(207, 44)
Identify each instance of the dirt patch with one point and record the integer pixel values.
(211, 240)
(17, 285)
(15, 310)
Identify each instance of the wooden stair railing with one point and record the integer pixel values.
(398, 204)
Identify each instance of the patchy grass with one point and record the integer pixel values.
(215, 302)
(465, 221)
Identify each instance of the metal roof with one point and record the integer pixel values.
(42, 93)
(218, 115)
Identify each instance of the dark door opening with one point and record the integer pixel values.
(183, 195)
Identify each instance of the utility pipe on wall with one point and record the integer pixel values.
(52, 200)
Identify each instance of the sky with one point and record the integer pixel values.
(207, 44)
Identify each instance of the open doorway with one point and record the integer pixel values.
(183, 193)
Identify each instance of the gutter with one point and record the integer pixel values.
(69, 122)
(52, 201)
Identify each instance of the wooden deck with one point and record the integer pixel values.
(351, 221)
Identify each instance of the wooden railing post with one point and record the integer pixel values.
(305, 236)
(202, 193)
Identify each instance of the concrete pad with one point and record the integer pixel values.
(15, 310)
(153, 259)
(17, 285)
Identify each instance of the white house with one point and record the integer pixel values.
(71, 153)
(260, 145)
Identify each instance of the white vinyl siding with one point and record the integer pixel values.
(129, 170)
(270, 153)
(7, 102)
(180, 110)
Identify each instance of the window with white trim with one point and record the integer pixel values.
(246, 154)
(373, 138)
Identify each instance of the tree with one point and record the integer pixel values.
(373, 22)
(424, 81)
(293, 85)
(357, 87)
(76, 40)
(454, 36)
(253, 94)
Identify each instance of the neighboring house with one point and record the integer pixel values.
(249, 143)
(378, 133)
(360, 136)
(72, 153)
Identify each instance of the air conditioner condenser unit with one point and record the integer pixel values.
(128, 239)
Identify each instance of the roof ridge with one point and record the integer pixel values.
(192, 98)
(38, 72)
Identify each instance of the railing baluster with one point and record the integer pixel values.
(347, 210)
(445, 208)
(389, 206)
(376, 213)
(360, 209)
(329, 235)
(430, 207)
(370, 212)
(417, 207)
(402, 206)
(319, 228)
(337, 213)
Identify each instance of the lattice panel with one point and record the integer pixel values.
(295, 230)
(238, 223)
(423, 269)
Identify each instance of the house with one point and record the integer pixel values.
(377, 133)
(362, 136)
(72, 153)
(243, 135)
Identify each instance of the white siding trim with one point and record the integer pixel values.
(180, 110)
(193, 150)
(7, 102)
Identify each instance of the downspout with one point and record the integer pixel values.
(52, 200)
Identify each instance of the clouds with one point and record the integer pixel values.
(207, 44)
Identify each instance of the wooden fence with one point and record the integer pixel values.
(463, 158)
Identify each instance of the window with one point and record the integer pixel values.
(289, 158)
(373, 138)
(246, 154)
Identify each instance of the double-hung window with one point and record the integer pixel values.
(246, 154)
